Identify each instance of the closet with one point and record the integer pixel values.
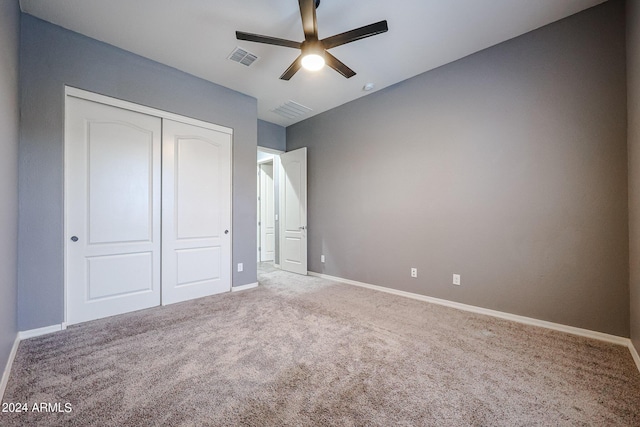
(147, 207)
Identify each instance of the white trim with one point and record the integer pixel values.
(263, 161)
(613, 339)
(244, 287)
(7, 369)
(269, 150)
(32, 333)
(115, 102)
(634, 354)
(23, 335)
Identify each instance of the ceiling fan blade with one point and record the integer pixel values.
(267, 40)
(309, 21)
(337, 65)
(293, 68)
(357, 34)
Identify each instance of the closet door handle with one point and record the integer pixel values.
(226, 231)
(74, 238)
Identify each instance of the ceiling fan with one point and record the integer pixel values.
(314, 53)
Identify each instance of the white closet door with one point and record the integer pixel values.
(196, 212)
(112, 187)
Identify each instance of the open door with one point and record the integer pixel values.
(293, 211)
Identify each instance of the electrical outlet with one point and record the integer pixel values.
(414, 272)
(456, 279)
(240, 267)
(322, 258)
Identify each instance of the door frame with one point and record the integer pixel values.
(72, 92)
(260, 221)
(275, 158)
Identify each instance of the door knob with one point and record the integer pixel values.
(302, 227)
(74, 238)
(226, 231)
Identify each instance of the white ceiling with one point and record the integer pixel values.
(197, 36)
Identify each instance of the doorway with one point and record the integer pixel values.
(282, 178)
(267, 207)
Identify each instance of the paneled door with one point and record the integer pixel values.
(112, 167)
(293, 211)
(267, 214)
(196, 212)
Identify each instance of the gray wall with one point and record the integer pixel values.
(52, 57)
(272, 136)
(9, 126)
(508, 167)
(633, 129)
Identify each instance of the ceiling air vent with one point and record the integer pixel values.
(292, 110)
(242, 56)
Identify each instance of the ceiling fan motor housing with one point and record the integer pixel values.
(312, 47)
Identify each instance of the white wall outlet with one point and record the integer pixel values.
(456, 279)
(322, 258)
(414, 272)
(240, 267)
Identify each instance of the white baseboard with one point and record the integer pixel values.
(276, 265)
(634, 354)
(244, 287)
(23, 335)
(31, 333)
(613, 339)
(7, 369)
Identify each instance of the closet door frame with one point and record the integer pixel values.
(114, 102)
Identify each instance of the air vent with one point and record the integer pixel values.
(292, 110)
(242, 56)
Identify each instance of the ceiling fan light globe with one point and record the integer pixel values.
(313, 62)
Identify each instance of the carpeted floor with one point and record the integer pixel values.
(305, 351)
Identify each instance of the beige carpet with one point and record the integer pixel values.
(305, 351)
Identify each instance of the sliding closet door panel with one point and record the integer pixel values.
(112, 196)
(196, 212)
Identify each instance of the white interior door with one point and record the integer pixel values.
(293, 211)
(112, 186)
(267, 214)
(196, 212)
